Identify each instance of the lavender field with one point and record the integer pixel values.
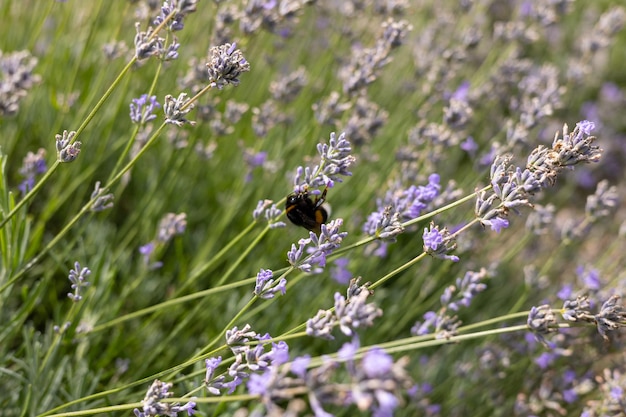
(313, 208)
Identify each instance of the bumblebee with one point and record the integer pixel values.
(302, 211)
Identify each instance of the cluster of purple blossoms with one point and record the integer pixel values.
(249, 360)
(373, 383)
(439, 243)
(513, 186)
(78, 278)
(32, 165)
(148, 44)
(153, 407)
(400, 205)
(267, 287)
(67, 148)
(316, 248)
(349, 313)
(180, 8)
(453, 298)
(335, 162)
(142, 109)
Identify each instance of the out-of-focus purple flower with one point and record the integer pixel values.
(268, 209)
(339, 272)
(101, 201)
(590, 278)
(398, 205)
(142, 108)
(32, 165)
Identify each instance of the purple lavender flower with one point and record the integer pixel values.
(339, 272)
(401, 204)
(213, 385)
(354, 312)
(268, 209)
(439, 243)
(336, 160)
(266, 287)
(317, 248)
(141, 109)
(226, 63)
(67, 148)
(78, 278)
(180, 8)
(146, 44)
(153, 407)
(16, 79)
(32, 165)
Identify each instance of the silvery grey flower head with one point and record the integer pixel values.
(101, 201)
(78, 278)
(226, 65)
(568, 149)
(603, 202)
(611, 317)
(67, 151)
(176, 108)
(180, 8)
(151, 405)
(385, 225)
(541, 321)
(147, 45)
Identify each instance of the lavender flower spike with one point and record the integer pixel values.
(439, 243)
(318, 248)
(225, 65)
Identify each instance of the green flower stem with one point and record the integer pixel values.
(172, 302)
(236, 265)
(203, 269)
(82, 127)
